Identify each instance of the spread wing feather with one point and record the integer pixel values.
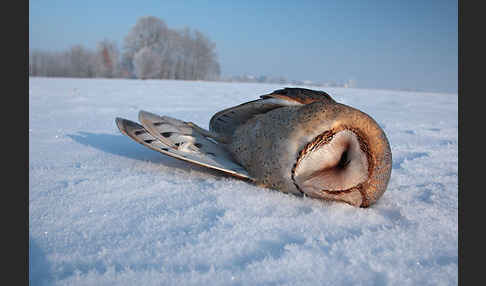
(184, 144)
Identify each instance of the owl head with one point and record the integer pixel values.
(342, 154)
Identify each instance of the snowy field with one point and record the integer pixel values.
(104, 210)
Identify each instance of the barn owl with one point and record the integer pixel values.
(293, 140)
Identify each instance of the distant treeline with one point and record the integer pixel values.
(150, 50)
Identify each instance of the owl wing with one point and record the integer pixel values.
(181, 141)
(300, 95)
(226, 121)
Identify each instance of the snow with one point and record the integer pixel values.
(104, 210)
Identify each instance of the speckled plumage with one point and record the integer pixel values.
(281, 138)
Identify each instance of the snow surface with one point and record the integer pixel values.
(104, 210)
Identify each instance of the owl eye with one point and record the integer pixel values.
(343, 162)
(338, 164)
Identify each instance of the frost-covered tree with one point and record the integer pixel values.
(149, 32)
(77, 62)
(36, 63)
(184, 64)
(204, 57)
(82, 62)
(171, 55)
(214, 71)
(43, 63)
(147, 63)
(197, 58)
(183, 54)
(150, 50)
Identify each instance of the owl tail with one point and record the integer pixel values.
(181, 140)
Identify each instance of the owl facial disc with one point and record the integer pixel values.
(331, 163)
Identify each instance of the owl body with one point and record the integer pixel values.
(294, 140)
(266, 146)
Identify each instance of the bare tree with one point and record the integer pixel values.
(107, 62)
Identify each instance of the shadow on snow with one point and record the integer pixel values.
(121, 145)
(39, 267)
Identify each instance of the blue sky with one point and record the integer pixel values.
(378, 44)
